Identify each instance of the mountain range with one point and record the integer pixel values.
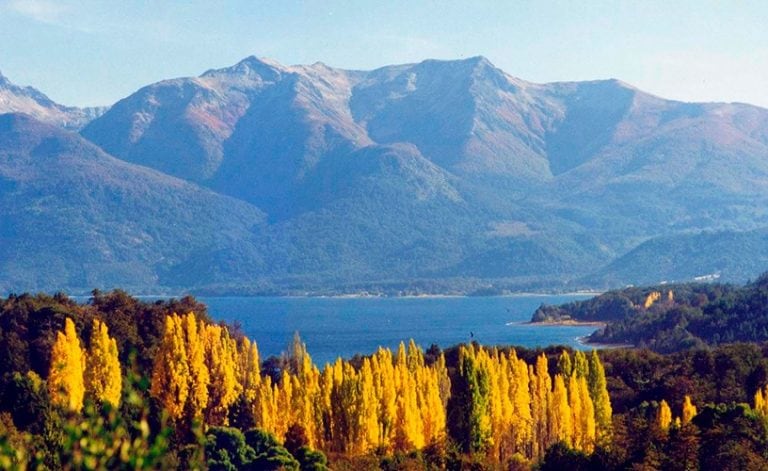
(27, 100)
(441, 176)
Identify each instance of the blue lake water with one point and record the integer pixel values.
(333, 327)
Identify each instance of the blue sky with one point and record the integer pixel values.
(94, 52)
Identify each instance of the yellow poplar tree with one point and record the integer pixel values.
(284, 417)
(250, 370)
(265, 407)
(503, 440)
(170, 371)
(574, 400)
(433, 412)
(588, 417)
(408, 427)
(541, 388)
(198, 371)
(326, 404)
(562, 419)
(386, 390)
(368, 413)
(761, 404)
(415, 358)
(221, 361)
(689, 410)
(103, 376)
(65, 380)
(663, 416)
(522, 421)
(651, 299)
(306, 394)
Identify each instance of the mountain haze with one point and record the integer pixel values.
(451, 174)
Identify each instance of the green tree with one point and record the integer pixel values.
(470, 423)
(598, 391)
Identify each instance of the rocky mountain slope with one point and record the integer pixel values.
(451, 172)
(27, 100)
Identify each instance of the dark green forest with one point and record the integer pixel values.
(693, 316)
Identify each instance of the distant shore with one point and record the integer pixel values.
(584, 340)
(352, 295)
(446, 295)
(568, 322)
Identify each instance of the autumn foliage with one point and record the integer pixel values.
(178, 391)
(389, 402)
(76, 373)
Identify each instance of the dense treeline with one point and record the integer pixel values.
(669, 318)
(121, 383)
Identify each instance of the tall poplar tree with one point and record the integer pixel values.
(562, 419)
(170, 371)
(221, 361)
(663, 416)
(587, 417)
(689, 410)
(199, 378)
(761, 404)
(65, 381)
(103, 376)
(598, 391)
(522, 422)
(541, 388)
(577, 412)
(368, 410)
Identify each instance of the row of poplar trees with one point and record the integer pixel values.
(504, 406)
(77, 372)
(391, 402)
(496, 404)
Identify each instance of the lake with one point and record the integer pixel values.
(333, 327)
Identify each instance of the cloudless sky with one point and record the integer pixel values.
(94, 52)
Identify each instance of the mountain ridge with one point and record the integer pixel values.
(29, 100)
(442, 170)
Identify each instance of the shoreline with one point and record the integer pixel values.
(568, 323)
(584, 339)
(354, 295)
(603, 346)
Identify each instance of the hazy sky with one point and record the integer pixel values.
(96, 52)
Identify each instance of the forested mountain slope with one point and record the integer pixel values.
(450, 175)
(74, 217)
